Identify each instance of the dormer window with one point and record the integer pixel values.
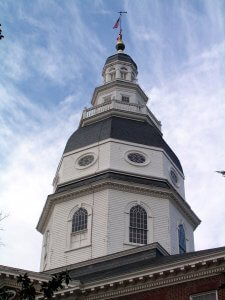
(125, 99)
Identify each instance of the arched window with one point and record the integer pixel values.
(123, 73)
(182, 239)
(112, 73)
(138, 225)
(79, 221)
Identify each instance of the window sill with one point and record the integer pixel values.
(73, 249)
(134, 244)
(79, 232)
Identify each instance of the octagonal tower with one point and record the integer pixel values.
(118, 185)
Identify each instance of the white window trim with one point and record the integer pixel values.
(177, 185)
(204, 294)
(77, 166)
(70, 234)
(147, 159)
(127, 223)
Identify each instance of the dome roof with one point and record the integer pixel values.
(120, 129)
(121, 57)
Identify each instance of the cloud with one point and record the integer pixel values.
(192, 110)
(13, 64)
(26, 181)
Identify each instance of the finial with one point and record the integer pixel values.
(119, 45)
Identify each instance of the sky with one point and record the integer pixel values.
(50, 62)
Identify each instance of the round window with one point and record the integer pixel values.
(137, 158)
(174, 177)
(86, 160)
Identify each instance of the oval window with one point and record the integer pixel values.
(86, 160)
(174, 177)
(137, 158)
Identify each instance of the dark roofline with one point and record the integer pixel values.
(122, 57)
(120, 129)
(149, 257)
(103, 259)
(110, 174)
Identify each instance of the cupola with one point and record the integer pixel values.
(118, 184)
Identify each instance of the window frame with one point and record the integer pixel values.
(185, 238)
(192, 297)
(83, 223)
(88, 231)
(138, 226)
(127, 222)
(123, 75)
(77, 166)
(125, 97)
(147, 158)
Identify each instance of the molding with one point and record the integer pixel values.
(121, 184)
(119, 83)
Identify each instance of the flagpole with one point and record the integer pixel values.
(121, 12)
(120, 23)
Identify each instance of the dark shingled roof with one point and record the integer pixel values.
(137, 259)
(122, 57)
(141, 262)
(120, 129)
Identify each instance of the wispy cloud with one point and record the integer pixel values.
(186, 87)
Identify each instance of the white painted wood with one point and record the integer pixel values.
(108, 226)
(111, 155)
(61, 250)
(108, 210)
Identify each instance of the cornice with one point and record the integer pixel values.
(108, 183)
(125, 63)
(143, 284)
(119, 83)
(149, 279)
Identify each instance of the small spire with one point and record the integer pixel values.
(120, 44)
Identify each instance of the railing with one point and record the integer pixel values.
(113, 104)
(119, 105)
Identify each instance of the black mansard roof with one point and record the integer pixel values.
(120, 129)
(122, 57)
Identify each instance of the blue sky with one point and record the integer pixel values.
(51, 61)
